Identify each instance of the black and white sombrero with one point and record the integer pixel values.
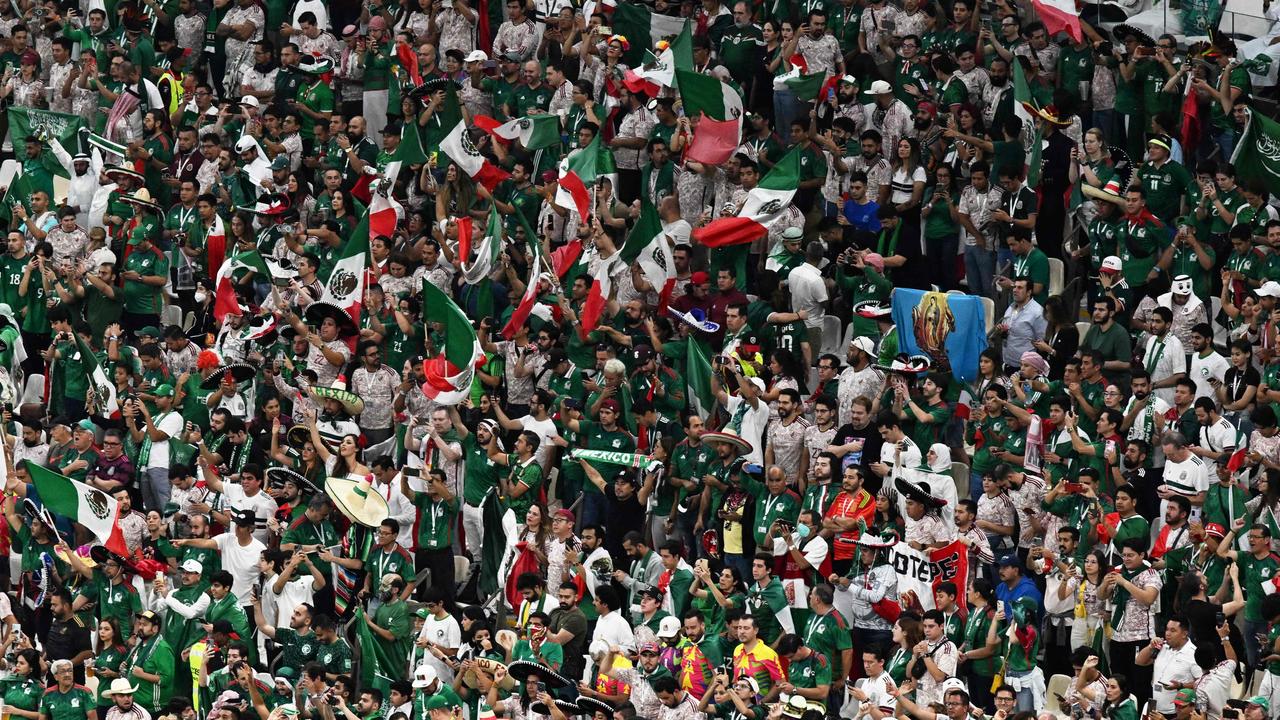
(522, 669)
(239, 372)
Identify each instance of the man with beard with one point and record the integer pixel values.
(297, 642)
(817, 438)
(108, 591)
(150, 664)
(593, 554)
(645, 678)
(857, 443)
(689, 462)
(852, 508)
(821, 491)
(887, 113)
(838, 151)
(842, 104)
(740, 47)
(871, 163)
(567, 627)
(759, 144)
(390, 624)
(697, 654)
(183, 607)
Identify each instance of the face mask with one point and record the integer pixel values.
(802, 531)
(384, 595)
(201, 296)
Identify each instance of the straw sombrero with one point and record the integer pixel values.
(114, 172)
(351, 402)
(1048, 113)
(1109, 192)
(357, 500)
(491, 667)
(741, 444)
(142, 198)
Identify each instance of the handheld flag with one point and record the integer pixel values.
(448, 375)
(579, 171)
(521, 312)
(648, 247)
(714, 141)
(1059, 15)
(89, 506)
(643, 28)
(764, 205)
(1257, 153)
(458, 146)
(473, 271)
(533, 131)
(707, 94)
(104, 391)
(345, 287)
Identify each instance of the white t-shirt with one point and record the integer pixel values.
(1189, 477)
(753, 424)
(297, 591)
(444, 632)
(170, 424)
(544, 429)
(1202, 368)
(902, 186)
(263, 507)
(1164, 358)
(241, 562)
(911, 457)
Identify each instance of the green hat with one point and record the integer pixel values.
(440, 702)
(163, 390)
(87, 424)
(1262, 702)
(150, 331)
(1185, 696)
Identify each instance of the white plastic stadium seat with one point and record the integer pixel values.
(1058, 685)
(33, 390)
(1056, 272)
(830, 335)
(960, 474)
(988, 312)
(1082, 327)
(170, 315)
(461, 569)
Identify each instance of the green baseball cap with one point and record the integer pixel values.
(149, 331)
(440, 702)
(1262, 702)
(163, 390)
(87, 425)
(1185, 696)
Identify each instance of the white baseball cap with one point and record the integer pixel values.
(476, 56)
(250, 100)
(424, 676)
(669, 627)
(1270, 288)
(880, 87)
(1111, 264)
(192, 565)
(864, 344)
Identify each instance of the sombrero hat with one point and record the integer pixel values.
(114, 172)
(920, 492)
(741, 444)
(239, 372)
(429, 86)
(491, 667)
(590, 706)
(711, 542)
(281, 269)
(269, 205)
(84, 552)
(351, 402)
(872, 309)
(142, 198)
(321, 309)
(1109, 192)
(278, 476)
(1048, 113)
(357, 500)
(1123, 30)
(100, 555)
(259, 327)
(315, 65)
(569, 709)
(522, 669)
(696, 318)
(297, 436)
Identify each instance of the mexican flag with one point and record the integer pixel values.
(345, 287)
(1059, 15)
(104, 391)
(533, 131)
(225, 301)
(384, 213)
(643, 29)
(215, 242)
(89, 506)
(579, 171)
(473, 271)
(697, 373)
(804, 84)
(714, 141)
(657, 72)
(647, 246)
(1023, 107)
(408, 152)
(763, 206)
(1257, 153)
(530, 298)
(597, 300)
(707, 94)
(458, 146)
(448, 374)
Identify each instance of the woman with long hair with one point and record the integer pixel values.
(611, 67)
(106, 664)
(298, 190)
(26, 88)
(961, 154)
(906, 635)
(904, 192)
(942, 227)
(1119, 703)
(1091, 166)
(23, 688)
(454, 196)
(1091, 615)
(981, 654)
(786, 106)
(779, 36)
(1061, 338)
(583, 109)
(535, 532)
(784, 372)
(344, 462)
(714, 598)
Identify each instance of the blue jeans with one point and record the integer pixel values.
(980, 270)
(156, 488)
(1105, 121)
(594, 508)
(975, 485)
(786, 108)
(742, 562)
(1026, 700)
(1226, 142)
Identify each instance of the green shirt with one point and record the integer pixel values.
(304, 532)
(435, 523)
(1035, 265)
(1253, 573)
(178, 631)
(598, 438)
(1166, 186)
(394, 617)
(740, 49)
(529, 475)
(830, 635)
(318, 98)
(811, 672)
(118, 601)
(75, 704)
(481, 471)
(22, 693)
(335, 656)
(296, 650)
(763, 604)
(155, 657)
(527, 98)
(139, 297)
(976, 627)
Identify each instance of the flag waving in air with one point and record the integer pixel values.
(647, 246)
(521, 312)
(486, 259)
(765, 203)
(707, 94)
(346, 283)
(534, 131)
(89, 506)
(448, 374)
(458, 146)
(581, 170)
(1257, 153)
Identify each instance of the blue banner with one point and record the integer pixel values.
(948, 328)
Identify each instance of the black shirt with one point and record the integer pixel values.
(68, 638)
(622, 517)
(871, 442)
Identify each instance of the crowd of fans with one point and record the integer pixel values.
(307, 532)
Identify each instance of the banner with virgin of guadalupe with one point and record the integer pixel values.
(949, 329)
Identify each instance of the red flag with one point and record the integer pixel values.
(465, 229)
(1237, 460)
(1190, 120)
(409, 60)
(714, 141)
(564, 257)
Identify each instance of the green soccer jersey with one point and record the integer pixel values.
(481, 471)
(155, 657)
(75, 704)
(1253, 573)
(140, 297)
(394, 617)
(527, 474)
(296, 650)
(976, 627)
(435, 524)
(599, 438)
(830, 635)
(118, 601)
(740, 49)
(317, 97)
(810, 672)
(335, 656)
(1075, 67)
(527, 99)
(1166, 187)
